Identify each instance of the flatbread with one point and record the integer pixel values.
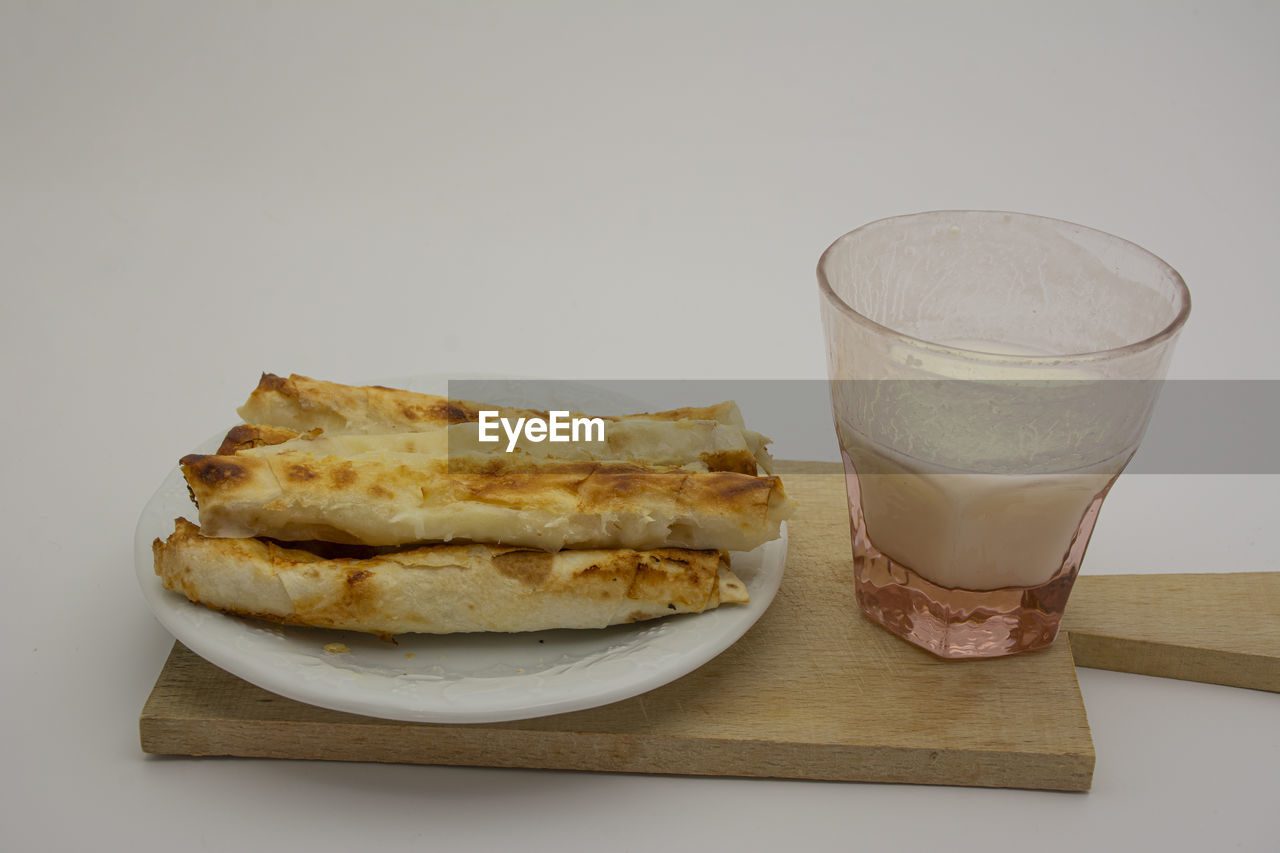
(444, 588)
(244, 437)
(386, 498)
(698, 445)
(301, 403)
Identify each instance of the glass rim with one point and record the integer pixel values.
(1164, 334)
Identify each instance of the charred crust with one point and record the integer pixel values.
(238, 438)
(245, 436)
(299, 472)
(488, 468)
(343, 475)
(623, 483)
(457, 414)
(215, 470)
(732, 485)
(271, 382)
(730, 461)
(739, 485)
(679, 574)
(358, 576)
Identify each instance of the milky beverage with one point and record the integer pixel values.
(967, 529)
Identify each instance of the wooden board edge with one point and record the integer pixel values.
(611, 752)
(1187, 663)
(172, 723)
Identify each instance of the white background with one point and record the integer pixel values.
(191, 194)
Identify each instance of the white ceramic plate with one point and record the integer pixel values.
(458, 678)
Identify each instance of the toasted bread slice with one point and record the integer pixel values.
(444, 588)
(301, 404)
(388, 498)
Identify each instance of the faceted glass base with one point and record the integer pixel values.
(961, 623)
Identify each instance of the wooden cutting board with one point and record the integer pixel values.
(813, 691)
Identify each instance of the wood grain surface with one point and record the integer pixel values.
(813, 691)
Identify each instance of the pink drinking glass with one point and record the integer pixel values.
(991, 375)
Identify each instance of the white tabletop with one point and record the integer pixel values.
(191, 194)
